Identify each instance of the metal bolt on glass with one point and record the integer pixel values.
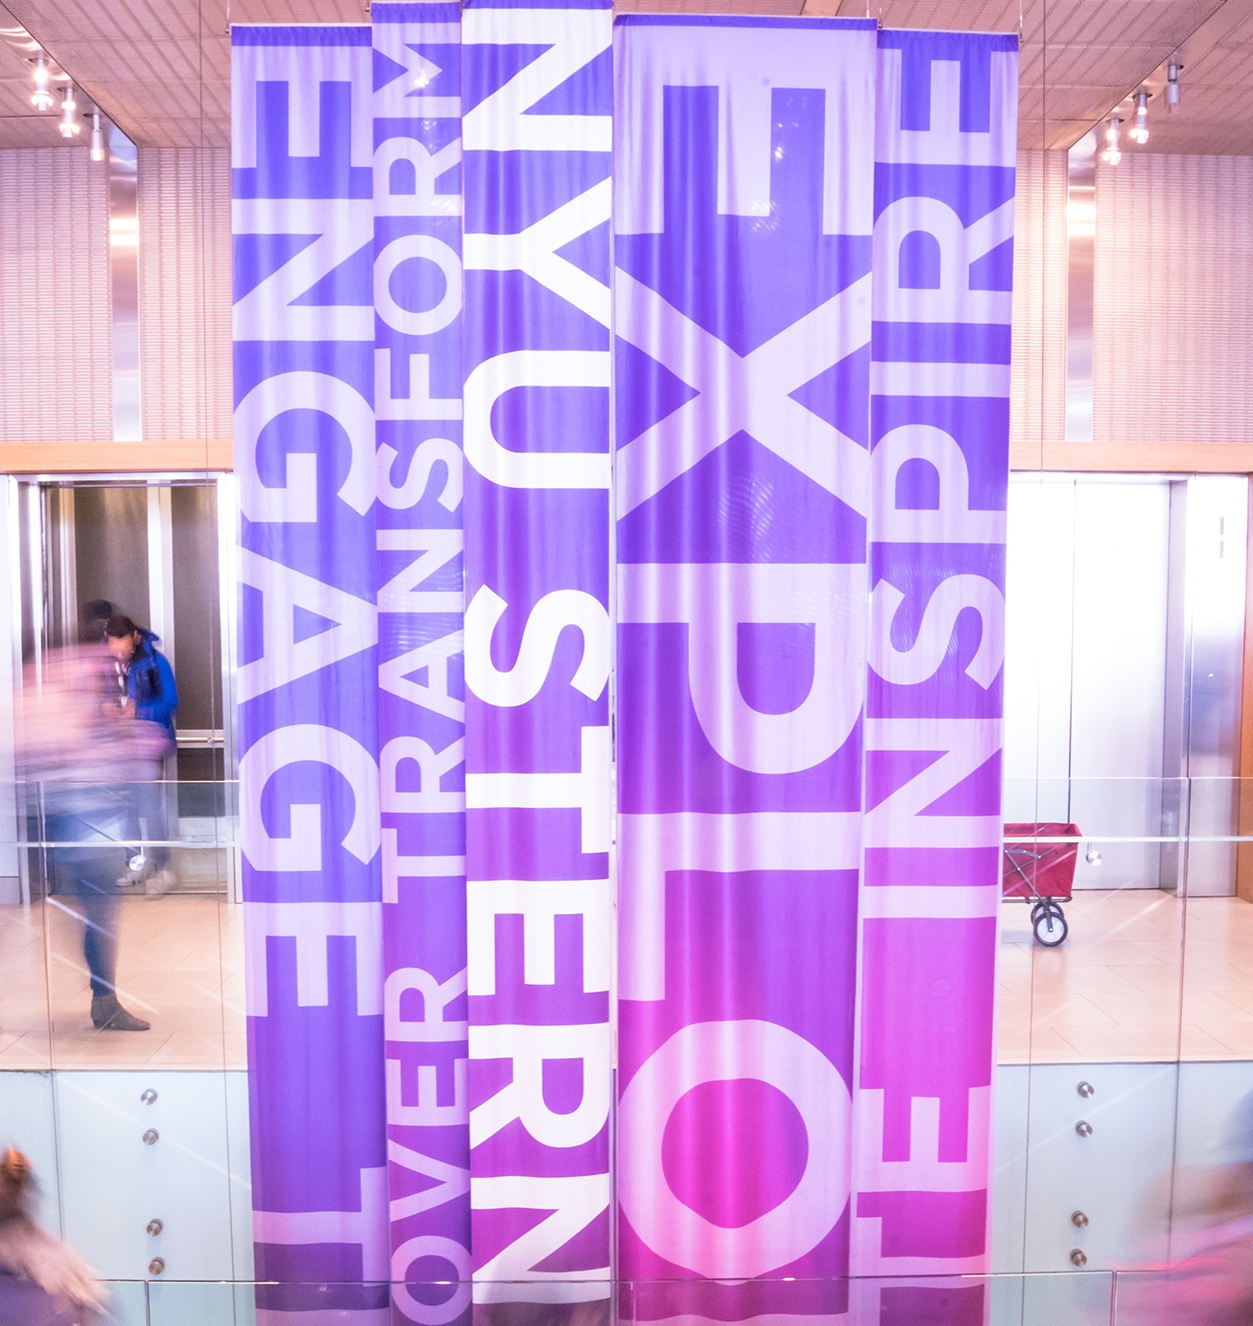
(1078, 1219)
(148, 1097)
(1086, 1090)
(157, 1265)
(1083, 1128)
(151, 1137)
(1078, 1256)
(156, 1226)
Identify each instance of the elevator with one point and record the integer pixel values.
(1125, 607)
(158, 548)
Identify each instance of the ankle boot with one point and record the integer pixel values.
(108, 1015)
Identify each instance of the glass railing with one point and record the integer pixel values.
(1126, 1060)
(1133, 1297)
(125, 892)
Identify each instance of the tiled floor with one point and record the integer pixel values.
(180, 967)
(1128, 985)
(1136, 980)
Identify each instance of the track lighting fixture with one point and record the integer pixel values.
(1140, 130)
(1112, 156)
(1172, 87)
(41, 98)
(69, 125)
(97, 138)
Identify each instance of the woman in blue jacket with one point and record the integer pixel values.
(146, 689)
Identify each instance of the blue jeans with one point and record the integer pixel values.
(83, 863)
(152, 805)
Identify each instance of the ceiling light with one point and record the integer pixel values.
(1140, 130)
(41, 98)
(1111, 154)
(97, 138)
(69, 125)
(1172, 87)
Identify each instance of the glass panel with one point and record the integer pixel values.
(1124, 1092)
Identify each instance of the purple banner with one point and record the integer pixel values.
(810, 312)
(537, 136)
(743, 252)
(945, 151)
(307, 674)
(421, 699)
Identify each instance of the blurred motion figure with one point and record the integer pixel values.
(85, 756)
(1208, 1279)
(43, 1282)
(94, 616)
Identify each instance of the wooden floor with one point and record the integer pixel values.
(180, 968)
(1142, 977)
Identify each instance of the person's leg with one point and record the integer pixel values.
(133, 836)
(155, 809)
(84, 864)
(152, 808)
(100, 943)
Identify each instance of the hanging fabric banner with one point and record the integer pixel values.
(421, 699)
(743, 256)
(945, 153)
(537, 136)
(810, 317)
(309, 810)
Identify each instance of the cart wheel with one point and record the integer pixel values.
(1050, 927)
(1038, 909)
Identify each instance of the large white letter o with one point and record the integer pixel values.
(719, 1052)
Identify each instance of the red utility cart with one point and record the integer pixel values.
(1039, 868)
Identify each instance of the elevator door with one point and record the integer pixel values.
(1124, 630)
(151, 550)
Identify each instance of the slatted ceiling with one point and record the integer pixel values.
(1038, 363)
(32, 132)
(56, 372)
(161, 67)
(1216, 108)
(156, 65)
(960, 15)
(185, 292)
(1080, 57)
(20, 124)
(1172, 321)
(708, 6)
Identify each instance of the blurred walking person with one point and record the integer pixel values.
(84, 758)
(94, 616)
(145, 689)
(1206, 1275)
(43, 1282)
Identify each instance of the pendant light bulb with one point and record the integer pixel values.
(1140, 131)
(97, 138)
(1112, 155)
(1172, 87)
(69, 125)
(41, 98)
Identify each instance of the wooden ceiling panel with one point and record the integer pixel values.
(160, 68)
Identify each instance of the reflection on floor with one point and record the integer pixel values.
(181, 968)
(1124, 988)
(1135, 981)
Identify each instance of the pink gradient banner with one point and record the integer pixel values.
(743, 251)
(945, 155)
(812, 312)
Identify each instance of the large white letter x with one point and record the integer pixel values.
(748, 393)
